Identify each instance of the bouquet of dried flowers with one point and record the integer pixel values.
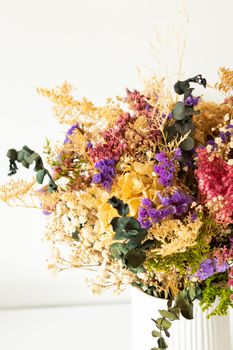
(141, 190)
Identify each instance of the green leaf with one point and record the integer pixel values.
(198, 292)
(168, 314)
(187, 313)
(170, 132)
(162, 323)
(155, 334)
(150, 243)
(192, 293)
(188, 92)
(178, 112)
(40, 176)
(187, 144)
(161, 343)
(118, 250)
(135, 258)
(190, 111)
(75, 235)
(181, 86)
(125, 227)
(176, 312)
(135, 241)
(119, 205)
(132, 224)
(184, 304)
(184, 127)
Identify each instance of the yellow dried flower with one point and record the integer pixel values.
(226, 80)
(19, 193)
(180, 235)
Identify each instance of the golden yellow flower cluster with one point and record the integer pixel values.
(226, 80)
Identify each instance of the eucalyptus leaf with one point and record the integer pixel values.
(118, 250)
(150, 243)
(192, 292)
(170, 132)
(184, 127)
(135, 241)
(191, 111)
(75, 235)
(135, 258)
(118, 204)
(40, 176)
(155, 334)
(181, 86)
(187, 144)
(183, 303)
(187, 313)
(188, 92)
(162, 323)
(161, 343)
(168, 314)
(178, 112)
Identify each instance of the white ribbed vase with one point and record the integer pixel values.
(196, 334)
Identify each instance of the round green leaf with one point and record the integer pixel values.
(155, 334)
(40, 176)
(178, 112)
(187, 144)
(135, 258)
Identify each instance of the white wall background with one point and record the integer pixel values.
(97, 46)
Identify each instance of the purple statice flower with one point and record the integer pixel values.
(146, 212)
(166, 168)
(206, 270)
(165, 201)
(178, 203)
(212, 143)
(46, 212)
(222, 268)
(70, 132)
(167, 211)
(107, 172)
(146, 202)
(143, 217)
(181, 201)
(147, 215)
(224, 136)
(177, 154)
(165, 176)
(161, 157)
(88, 146)
(191, 100)
(194, 216)
(155, 215)
(209, 267)
(146, 224)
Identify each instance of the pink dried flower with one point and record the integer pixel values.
(136, 100)
(230, 279)
(215, 183)
(115, 144)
